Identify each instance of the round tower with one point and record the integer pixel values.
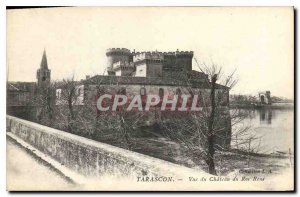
(116, 55)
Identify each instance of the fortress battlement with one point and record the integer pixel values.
(153, 55)
(157, 55)
(118, 50)
(187, 53)
(124, 59)
(165, 53)
(169, 53)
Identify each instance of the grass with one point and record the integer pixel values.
(226, 162)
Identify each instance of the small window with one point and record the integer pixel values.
(161, 92)
(143, 91)
(219, 96)
(58, 93)
(200, 99)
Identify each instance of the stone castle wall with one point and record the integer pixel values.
(169, 61)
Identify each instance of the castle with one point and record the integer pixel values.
(156, 73)
(123, 62)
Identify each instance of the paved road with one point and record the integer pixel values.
(25, 172)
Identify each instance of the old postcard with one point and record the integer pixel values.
(150, 99)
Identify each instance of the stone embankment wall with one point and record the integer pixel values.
(91, 158)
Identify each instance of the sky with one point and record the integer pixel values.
(256, 42)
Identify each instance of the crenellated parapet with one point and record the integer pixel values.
(117, 55)
(169, 53)
(184, 53)
(117, 51)
(148, 56)
(137, 56)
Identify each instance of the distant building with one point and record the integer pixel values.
(22, 93)
(265, 98)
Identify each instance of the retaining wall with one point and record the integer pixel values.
(91, 158)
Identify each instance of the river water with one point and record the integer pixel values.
(272, 128)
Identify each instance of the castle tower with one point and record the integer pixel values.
(43, 74)
(123, 68)
(117, 55)
(184, 60)
(148, 64)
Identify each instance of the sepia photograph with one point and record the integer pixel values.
(150, 99)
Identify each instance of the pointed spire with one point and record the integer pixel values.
(44, 64)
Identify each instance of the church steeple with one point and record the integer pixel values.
(43, 74)
(44, 64)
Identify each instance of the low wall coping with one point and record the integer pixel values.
(152, 163)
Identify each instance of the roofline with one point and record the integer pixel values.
(219, 86)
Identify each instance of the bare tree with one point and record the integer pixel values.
(44, 101)
(66, 99)
(120, 124)
(82, 116)
(209, 130)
